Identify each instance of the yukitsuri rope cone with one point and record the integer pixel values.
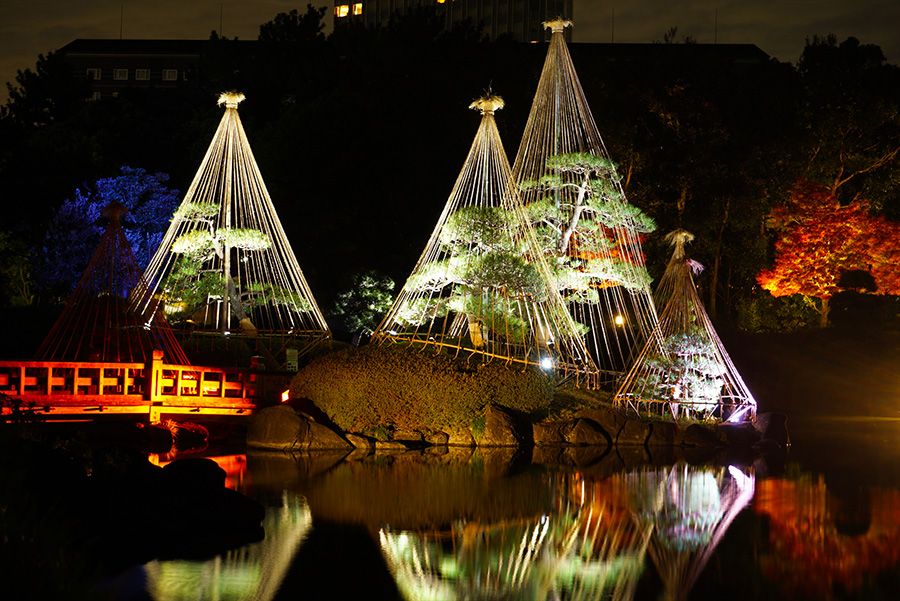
(577, 202)
(685, 372)
(98, 322)
(225, 264)
(481, 287)
(689, 509)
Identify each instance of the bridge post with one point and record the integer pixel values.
(152, 374)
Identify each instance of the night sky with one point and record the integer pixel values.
(779, 27)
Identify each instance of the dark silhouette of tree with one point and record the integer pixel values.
(44, 95)
(851, 116)
(293, 27)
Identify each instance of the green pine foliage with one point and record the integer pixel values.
(485, 272)
(361, 306)
(686, 371)
(589, 220)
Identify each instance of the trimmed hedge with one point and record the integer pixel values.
(374, 388)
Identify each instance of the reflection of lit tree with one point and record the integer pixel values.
(690, 509)
(809, 555)
(250, 572)
(589, 547)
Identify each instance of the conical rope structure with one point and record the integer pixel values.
(686, 372)
(99, 323)
(481, 286)
(690, 509)
(225, 264)
(577, 203)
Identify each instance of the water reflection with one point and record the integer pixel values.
(251, 572)
(468, 524)
(689, 510)
(820, 543)
(589, 546)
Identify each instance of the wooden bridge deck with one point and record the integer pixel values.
(66, 389)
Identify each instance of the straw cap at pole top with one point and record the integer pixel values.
(487, 104)
(678, 239)
(557, 25)
(231, 99)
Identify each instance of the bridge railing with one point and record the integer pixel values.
(55, 386)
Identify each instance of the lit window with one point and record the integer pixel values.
(341, 10)
(120, 74)
(441, 1)
(142, 74)
(357, 8)
(170, 75)
(93, 74)
(96, 96)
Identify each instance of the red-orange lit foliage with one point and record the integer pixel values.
(819, 240)
(808, 555)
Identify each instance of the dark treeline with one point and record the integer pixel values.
(360, 135)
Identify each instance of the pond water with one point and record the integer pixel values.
(819, 522)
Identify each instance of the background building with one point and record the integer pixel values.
(520, 19)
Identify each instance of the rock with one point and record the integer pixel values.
(585, 456)
(662, 434)
(549, 433)
(282, 428)
(499, 429)
(410, 436)
(697, 435)
(187, 435)
(611, 420)
(773, 426)
(460, 438)
(389, 445)
(741, 436)
(635, 432)
(359, 441)
(587, 433)
(196, 471)
(437, 438)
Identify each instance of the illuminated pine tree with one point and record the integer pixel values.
(225, 264)
(481, 286)
(575, 196)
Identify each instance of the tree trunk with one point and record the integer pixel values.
(682, 203)
(824, 312)
(476, 334)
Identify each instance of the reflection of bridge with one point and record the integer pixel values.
(68, 388)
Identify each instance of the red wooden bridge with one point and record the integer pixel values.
(67, 389)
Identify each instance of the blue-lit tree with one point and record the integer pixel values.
(75, 229)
